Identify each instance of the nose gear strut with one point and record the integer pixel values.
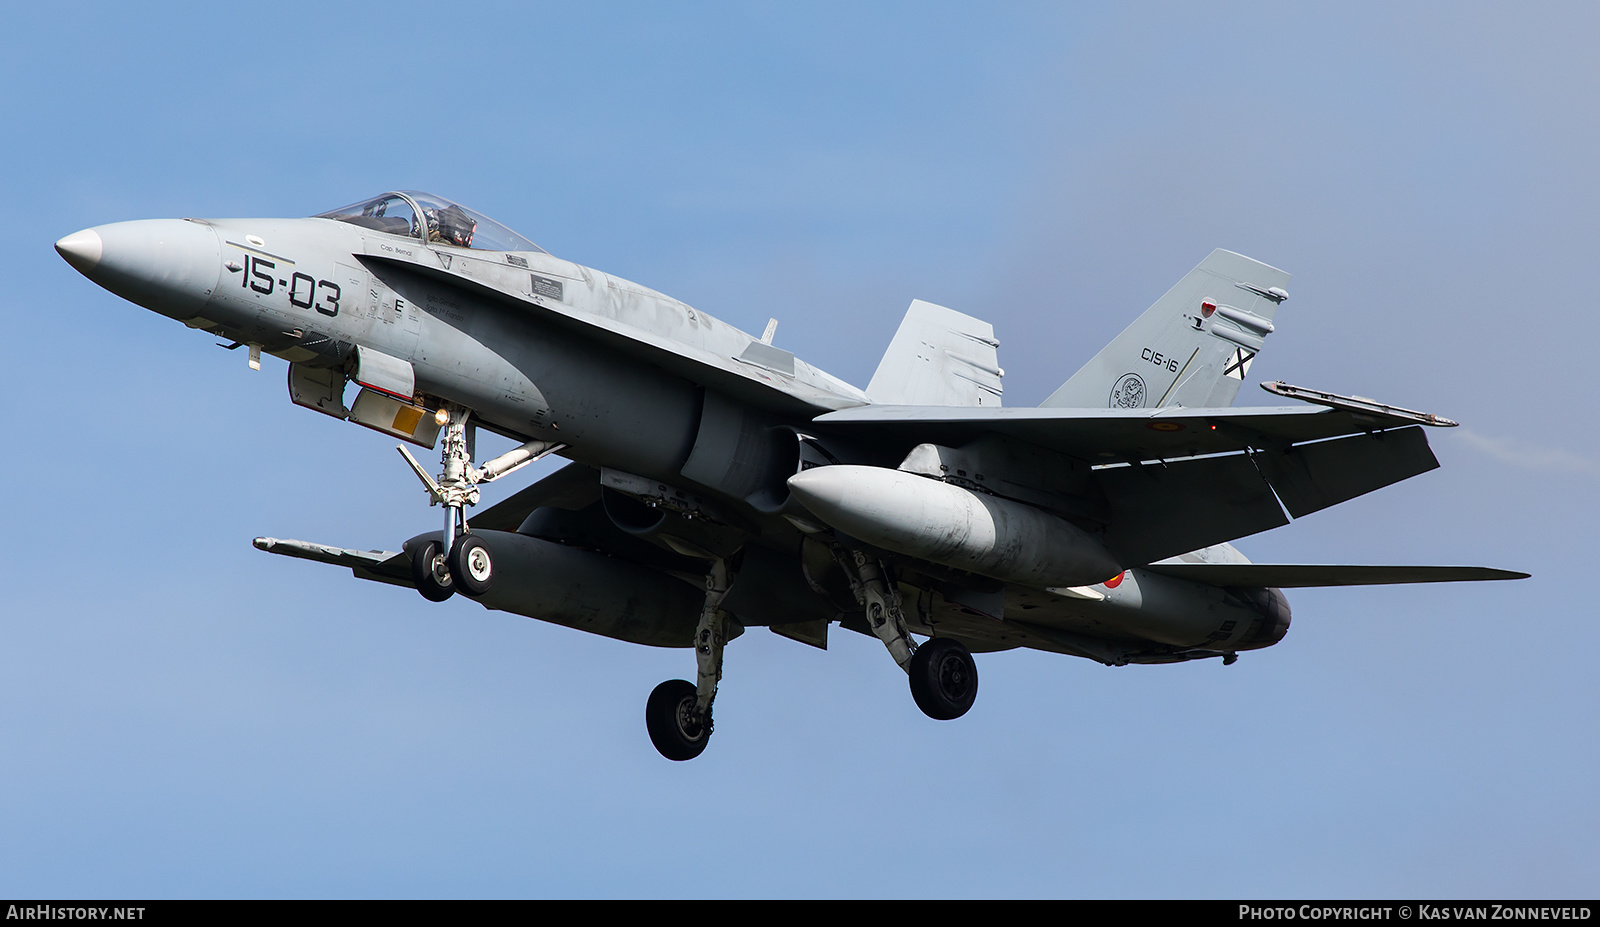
(462, 561)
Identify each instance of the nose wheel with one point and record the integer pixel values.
(430, 574)
(468, 568)
(470, 565)
(461, 561)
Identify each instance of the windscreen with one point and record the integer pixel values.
(451, 223)
(446, 222)
(388, 213)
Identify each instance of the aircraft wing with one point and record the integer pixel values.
(1109, 435)
(385, 566)
(1165, 481)
(574, 486)
(1305, 575)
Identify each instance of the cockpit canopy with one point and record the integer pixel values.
(442, 222)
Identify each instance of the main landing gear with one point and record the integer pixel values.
(461, 560)
(944, 678)
(678, 714)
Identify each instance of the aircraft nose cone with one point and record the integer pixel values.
(168, 265)
(82, 250)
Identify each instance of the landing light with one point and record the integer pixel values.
(442, 417)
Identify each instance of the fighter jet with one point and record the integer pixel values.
(717, 482)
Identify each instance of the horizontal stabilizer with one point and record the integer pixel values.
(1303, 575)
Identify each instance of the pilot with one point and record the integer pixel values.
(452, 226)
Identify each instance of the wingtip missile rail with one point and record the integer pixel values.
(1356, 404)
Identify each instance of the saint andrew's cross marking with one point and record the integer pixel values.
(1239, 364)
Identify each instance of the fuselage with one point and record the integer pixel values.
(628, 379)
(311, 290)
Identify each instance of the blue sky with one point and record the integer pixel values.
(185, 716)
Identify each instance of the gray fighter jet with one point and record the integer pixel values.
(718, 482)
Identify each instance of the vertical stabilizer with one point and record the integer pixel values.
(1192, 348)
(939, 357)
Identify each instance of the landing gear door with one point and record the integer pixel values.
(378, 371)
(404, 420)
(319, 388)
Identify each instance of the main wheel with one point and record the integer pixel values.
(430, 574)
(470, 565)
(944, 680)
(669, 717)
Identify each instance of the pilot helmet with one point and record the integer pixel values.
(455, 226)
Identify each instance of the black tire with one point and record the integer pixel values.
(429, 573)
(944, 680)
(470, 565)
(666, 717)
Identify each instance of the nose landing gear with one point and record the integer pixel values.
(431, 574)
(461, 561)
(470, 564)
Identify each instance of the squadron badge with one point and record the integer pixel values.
(1128, 393)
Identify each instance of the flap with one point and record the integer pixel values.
(1158, 511)
(1312, 477)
